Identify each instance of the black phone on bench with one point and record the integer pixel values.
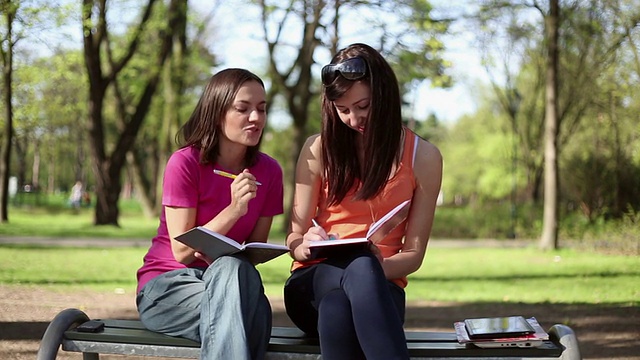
(92, 326)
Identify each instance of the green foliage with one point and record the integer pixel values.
(501, 220)
(617, 236)
(596, 184)
(477, 160)
(489, 220)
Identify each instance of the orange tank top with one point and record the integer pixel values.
(351, 218)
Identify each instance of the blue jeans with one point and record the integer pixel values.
(223, 307)
(349, 304)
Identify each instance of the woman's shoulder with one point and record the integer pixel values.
(267, 167)
(267, 161)
(425, 150)
(313, 144)
(428, 160)
(313, 141)
(188, 154)
(310, 158)
(187, 151)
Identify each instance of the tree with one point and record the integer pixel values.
(410, 43)
(107, 168)
(582, 61)
(549, 238)
(185, 71)
(7, 43)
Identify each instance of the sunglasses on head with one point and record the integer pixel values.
(350, 69)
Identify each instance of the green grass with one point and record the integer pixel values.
(53, 218)
(460, 274)
(57, 220)
(465, 275)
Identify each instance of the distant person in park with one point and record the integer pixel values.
(362, 165)
(75, 197)
(220, 304)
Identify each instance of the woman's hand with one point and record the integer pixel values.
(315, 233)
(243, 189)
(203, 257)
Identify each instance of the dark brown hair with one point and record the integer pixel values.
(204, 126)
(382, 130)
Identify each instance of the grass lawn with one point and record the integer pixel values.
(447, 274)
(465, 275)
(64, 222)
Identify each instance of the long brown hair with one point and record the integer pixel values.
(382, 130)
(203, 128)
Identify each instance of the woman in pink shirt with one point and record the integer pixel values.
(362, 165)
(220, 304)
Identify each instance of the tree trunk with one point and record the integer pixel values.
(299, 137)
(7, 79)
(108, 169)
(141, 184)
(35, 167)
(549, 239)
(5, 152)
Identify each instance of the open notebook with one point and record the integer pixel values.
(377, 231)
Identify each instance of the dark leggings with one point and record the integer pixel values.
(347, 301)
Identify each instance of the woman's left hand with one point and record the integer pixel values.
(203, 257)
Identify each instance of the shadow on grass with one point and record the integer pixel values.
(603, 331)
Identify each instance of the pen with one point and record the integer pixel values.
(315, 223)
(229, 175)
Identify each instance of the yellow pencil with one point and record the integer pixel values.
(229, 175)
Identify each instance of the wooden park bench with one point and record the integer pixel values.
(129, 337)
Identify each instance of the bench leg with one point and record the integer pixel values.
(90, 356)
(55, 331)
(568, 339)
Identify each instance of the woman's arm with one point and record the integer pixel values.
(179, 220)
(261, 230)
(307, 189)
(428, 173)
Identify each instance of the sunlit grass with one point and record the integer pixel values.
(59, 221)
(466, 275)
(460, 274)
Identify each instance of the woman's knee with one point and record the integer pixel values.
(364, 266)
(234, 266)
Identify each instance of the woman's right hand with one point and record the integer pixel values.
(314, 233)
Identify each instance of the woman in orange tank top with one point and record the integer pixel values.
(361, 165)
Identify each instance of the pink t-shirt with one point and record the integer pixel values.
(189, 184)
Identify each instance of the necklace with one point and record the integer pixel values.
(369, 203)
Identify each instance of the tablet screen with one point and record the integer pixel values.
(498, 327)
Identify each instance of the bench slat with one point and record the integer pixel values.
(292, 332)
(130, 336)
(130, 349)
(450, 349)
